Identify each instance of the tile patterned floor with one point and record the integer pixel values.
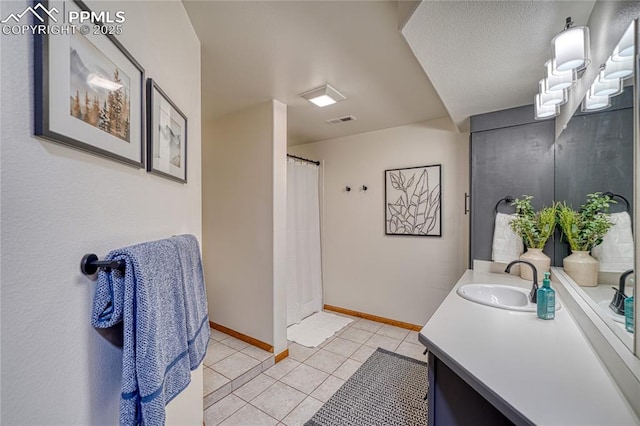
(242, 386)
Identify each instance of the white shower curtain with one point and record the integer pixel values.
(304, 276)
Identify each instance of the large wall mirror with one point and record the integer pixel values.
(596, 153)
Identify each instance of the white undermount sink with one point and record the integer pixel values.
(500, 296)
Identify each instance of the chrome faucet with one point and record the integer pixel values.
(533, 295)
(617, 304)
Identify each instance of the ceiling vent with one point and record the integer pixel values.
(340, 120)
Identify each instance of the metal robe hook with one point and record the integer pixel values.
(364, 187)
(347, 188)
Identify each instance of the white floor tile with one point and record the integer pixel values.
(222, 409)
(327, 388)
(347, 369)
(393, 332)
(304, 378)
(367, 325)
(363, 353)
(325, 361)
(282, 368)
(412, 337)
(412, 350)
(303, 412)
(213, 381)
(235, 365)
(384, 342)
(249, 416)
(255, 387)
(278, 400)
(300, 352)
(216, 351)
(342, 347)
(218, 335)
(256, 352)
(356, 335)
(234, 343)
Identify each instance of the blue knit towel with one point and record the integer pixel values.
(195, 297)
(150, 300)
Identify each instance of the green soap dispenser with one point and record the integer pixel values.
(546, 299)
(628, 314)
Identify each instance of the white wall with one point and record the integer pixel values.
(244, 189)
(402, 278)
(58, 204)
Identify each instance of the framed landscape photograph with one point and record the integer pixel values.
(413, 201)
(167, 135)
(89, 92)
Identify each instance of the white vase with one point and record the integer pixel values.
(582, 268)
(541, 261)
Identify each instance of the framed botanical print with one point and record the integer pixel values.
(166, 135)
(89, 90)
(413, 201)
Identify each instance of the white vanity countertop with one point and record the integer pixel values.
(534, 371)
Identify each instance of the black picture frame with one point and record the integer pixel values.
(166, 135)
(109, 119)
(413, 201)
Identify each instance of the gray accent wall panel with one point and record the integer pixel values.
(508, 161)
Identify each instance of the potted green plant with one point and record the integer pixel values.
(583, 230)
(534, 228)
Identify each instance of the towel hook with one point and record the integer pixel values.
(507, 199)
(90, 264)
(612, 195)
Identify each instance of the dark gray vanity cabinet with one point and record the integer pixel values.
(511, 154)
(453, 402)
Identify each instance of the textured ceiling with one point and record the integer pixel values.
(253, 51)
(452, 58)
(484, 56)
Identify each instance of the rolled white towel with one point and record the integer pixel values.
(615, 253)
(507, 245)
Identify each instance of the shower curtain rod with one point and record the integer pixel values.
(317, 163)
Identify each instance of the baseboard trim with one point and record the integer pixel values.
(250, 340)
(282, 355)
(376, 318)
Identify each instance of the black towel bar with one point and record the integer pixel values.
(612, 195)
(507, 199)
(90, 264)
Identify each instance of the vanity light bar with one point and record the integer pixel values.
(595, 103)
(543, 112)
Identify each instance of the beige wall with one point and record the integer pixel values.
(402, 278)
(243, 186)
(58, 204)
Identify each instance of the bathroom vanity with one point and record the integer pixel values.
(496, 366)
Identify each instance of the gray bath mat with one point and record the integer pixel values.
(388, 389)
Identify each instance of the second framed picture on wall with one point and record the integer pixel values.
(413, 201)
(166, 135)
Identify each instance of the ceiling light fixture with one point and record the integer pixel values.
(560, 80)
(624, 49)
(617, 70)
(557, 97)
(611, 87)
(595, 103)
(543, 112)
(570, 48)
(323, 96)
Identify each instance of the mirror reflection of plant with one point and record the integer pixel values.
(533, 227)
(584, 229)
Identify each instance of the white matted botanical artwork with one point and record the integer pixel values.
(167, 135)
(413, 201)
